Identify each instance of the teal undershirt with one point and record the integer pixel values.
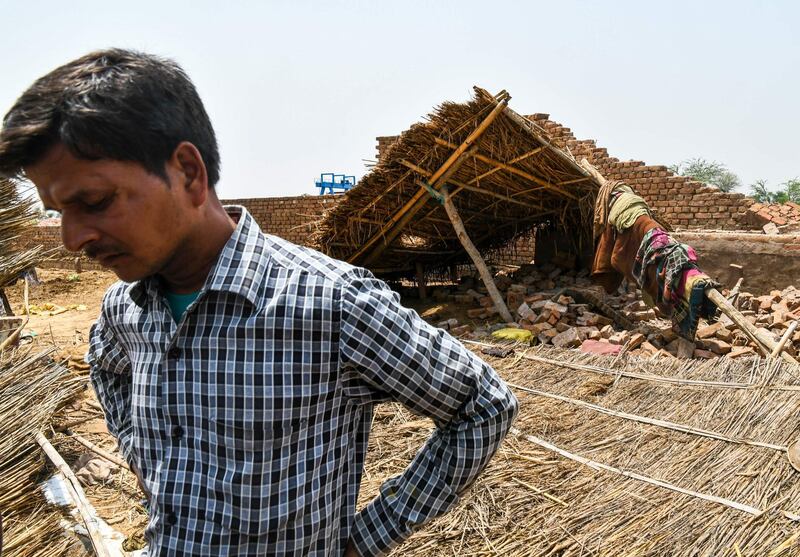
(179, 302)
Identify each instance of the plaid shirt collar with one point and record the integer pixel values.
(237, 269)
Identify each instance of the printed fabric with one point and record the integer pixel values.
(679, 290)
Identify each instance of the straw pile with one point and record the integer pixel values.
(16, 214)
(32, 389)
(514, 181)
(741, 496)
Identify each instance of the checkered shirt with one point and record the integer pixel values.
(248, 419)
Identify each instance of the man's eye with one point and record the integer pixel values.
(97, 206)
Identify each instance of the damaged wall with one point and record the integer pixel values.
(684, 202)
(769, 262)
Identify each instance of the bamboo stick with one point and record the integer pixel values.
(454, 157)
(472, 251)
(636, 476)
(643, 376)
(784, 339)
(98, 451)
(514, 170)
(81, 503)
(651, 421)
(765, 342)
(468, 187)
(515, 160)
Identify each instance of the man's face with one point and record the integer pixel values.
(116, 212)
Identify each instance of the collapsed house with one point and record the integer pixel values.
(470, 180)
(612, 455)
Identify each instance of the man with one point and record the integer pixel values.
(238, 371)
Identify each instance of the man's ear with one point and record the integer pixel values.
(189, 172)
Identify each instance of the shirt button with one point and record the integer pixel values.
(170, 519)
(174, 353)
(177, 431)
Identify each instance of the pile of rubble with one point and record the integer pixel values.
(562, 308)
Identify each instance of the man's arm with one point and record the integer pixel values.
(110, 376)
(389, 351)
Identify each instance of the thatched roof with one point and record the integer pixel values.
(32, 390)
(508, 181)
(16, 214)
(685, 459)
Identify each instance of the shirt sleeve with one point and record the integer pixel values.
(110, 375)
(388, 351)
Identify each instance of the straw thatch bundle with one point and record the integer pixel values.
(509, 181)
(16, 214)
(32, 390)
(678, 459)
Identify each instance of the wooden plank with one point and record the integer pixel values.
(420, 270)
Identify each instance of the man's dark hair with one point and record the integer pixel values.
(110, 104)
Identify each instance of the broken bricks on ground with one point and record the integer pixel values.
(646, 276)
(535, 294)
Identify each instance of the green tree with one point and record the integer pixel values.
(708, 172)
(792, 189)
(759, 191)
(790, 192)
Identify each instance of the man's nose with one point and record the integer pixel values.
(77, 234)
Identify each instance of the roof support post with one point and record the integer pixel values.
(420, 270)
(398, 221)
(475, 255)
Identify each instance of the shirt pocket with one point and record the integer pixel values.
(263, 481)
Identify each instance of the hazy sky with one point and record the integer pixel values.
(298, 88)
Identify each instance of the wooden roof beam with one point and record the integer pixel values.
(463, 186)
(514, 170)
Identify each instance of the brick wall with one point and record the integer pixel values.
(49, 236)
(291, 218)
(288, 217)
(685, 203)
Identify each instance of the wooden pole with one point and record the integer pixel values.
(475, 255)
(394, 221)
(765, 342)
(784, 339)
(420, 269)
(735, 292)
(81, 503)
(98, 451)
(14, 336)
